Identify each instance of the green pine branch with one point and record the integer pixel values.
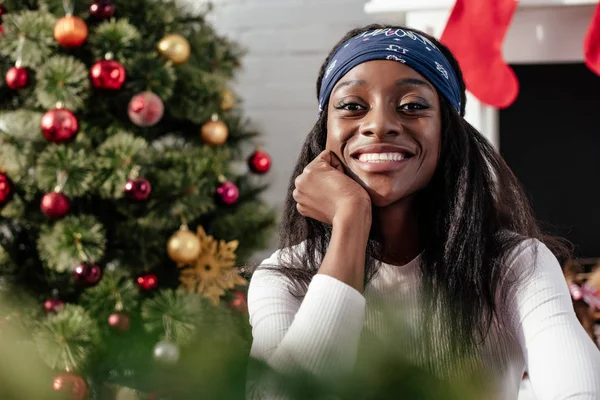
(115, 291)
(14, 160)
(253, 221)
(118, 37)
(64, 80)
(150, 71)
(117, 161)
(67, 243)
(14, 210)
(198, 94)
(146, 249)
(59, 163)
(174, 315)
(67, 339)
(21, 126)
(37, 30)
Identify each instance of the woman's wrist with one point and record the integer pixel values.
(357, 215)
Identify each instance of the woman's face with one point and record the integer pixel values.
(384, 123)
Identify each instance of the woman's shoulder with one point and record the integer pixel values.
(531, 262)
(529, 251)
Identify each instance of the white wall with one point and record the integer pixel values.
(286, 42)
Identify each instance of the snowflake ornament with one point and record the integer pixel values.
(213, 272)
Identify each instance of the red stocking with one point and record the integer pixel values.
(592, 43)
(474, 34)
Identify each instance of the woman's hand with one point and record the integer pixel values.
(325, 193)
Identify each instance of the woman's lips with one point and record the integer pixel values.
(381, 162)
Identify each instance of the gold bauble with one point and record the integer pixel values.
(214, 132)
(175, 47)
(183, 247)
(227, 100)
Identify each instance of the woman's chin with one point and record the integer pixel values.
(381, 198)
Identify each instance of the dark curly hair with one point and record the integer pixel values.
(472, 214)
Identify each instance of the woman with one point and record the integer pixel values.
(397, 202)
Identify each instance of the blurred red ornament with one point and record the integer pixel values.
(102, 9)
(228, 193)
(17, 78)
(70, 31)
(108, 74)
(87, 274)
(146, 109)
(239, 302)
(2, 10)
(6, 189)
(59, 125)
(259, 162)
(119, 321)
(55, 205)
(52, 305)
(72, 386)
(1, 28)
(147, 281)
(138, 189)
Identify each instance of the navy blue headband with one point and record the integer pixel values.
(404, 46)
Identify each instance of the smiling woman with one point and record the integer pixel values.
(398, 204)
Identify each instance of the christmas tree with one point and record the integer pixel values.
(129, 193)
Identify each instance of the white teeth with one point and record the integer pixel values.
(380, 157)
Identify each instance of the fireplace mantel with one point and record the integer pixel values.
(542, 31)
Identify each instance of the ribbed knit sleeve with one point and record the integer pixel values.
(561, 359)
(319, 333)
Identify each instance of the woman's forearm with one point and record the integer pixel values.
(345, 256)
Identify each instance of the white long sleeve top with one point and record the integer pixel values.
(321, 331)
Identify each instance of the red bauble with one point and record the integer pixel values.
(239, 302)
(146, 109)
(102, 9)
(108, 74)
(72, 386)
(147, 281)
(52, 305)
(6, 189)
(17, 78)
(59, 125)
(119, 321)
(55, 205)
(228, 193)
(138, 189)
(87, 274)
(259, 162)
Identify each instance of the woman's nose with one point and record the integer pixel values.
(381, 121)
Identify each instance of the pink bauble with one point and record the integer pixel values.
(146, 109)
(228, 193)
(138, 189)
(87, 274)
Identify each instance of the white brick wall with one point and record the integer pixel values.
(286, 42)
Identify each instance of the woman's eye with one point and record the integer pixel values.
(349, 106)
(413, 107)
